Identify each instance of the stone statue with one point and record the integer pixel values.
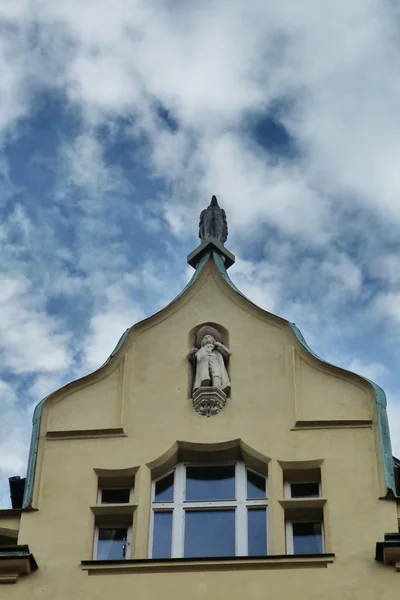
(213, 222)
(210, 362)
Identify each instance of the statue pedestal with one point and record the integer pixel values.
(208, 246)
(208, 401)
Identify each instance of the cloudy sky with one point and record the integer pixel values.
(118, 121)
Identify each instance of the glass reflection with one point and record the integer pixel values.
(164, 489)
(115, 496)
(307, 538)
(256, 485)
(304, 490)
(210, 483)
(257, 531)
(112, 543)
(209, 533)
(162, 534)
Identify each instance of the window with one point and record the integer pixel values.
(112, 543)
(302, 489)
(304, 537)
(113, 517)
(209, 511)
(115, 495)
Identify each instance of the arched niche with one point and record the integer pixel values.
(195, 336)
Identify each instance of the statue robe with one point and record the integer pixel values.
(209, 363)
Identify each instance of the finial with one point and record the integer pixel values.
(213, 232)
(213, 222)
(214, 201)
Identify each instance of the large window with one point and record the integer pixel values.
(209, 511)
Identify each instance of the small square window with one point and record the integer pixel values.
(164, 488)
(115, 495)
(210, 483)
(304, 537)
(256, 485)
(112, 543)
(209, 533)
(304, 490)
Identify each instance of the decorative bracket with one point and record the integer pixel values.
(208, 401)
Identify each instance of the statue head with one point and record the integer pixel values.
(207, 330)
(207, 339)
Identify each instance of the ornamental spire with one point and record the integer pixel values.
(213, 222)
(213, 233)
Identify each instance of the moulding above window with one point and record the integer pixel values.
(331, 424)
(231, 450)
(282, 561)
(86, 433)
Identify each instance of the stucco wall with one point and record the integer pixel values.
(278, 391)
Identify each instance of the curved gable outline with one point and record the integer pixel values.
(380, 397)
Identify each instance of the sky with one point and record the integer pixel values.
(118, 122)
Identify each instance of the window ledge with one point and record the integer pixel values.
(113, 509)
(15, 561)
(303, 502)
(277, 561)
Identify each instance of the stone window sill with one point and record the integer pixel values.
(113, 509)
(278, 561)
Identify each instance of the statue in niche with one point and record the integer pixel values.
(210, 358)
(213, 222)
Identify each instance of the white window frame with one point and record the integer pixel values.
(179, 505)
(113, 525)
(288, 489)
(121, 487)
(289, 533)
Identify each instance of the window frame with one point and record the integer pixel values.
(120, 487)
(289, 533)
(179, 505)
(288, 490)
(113, 525)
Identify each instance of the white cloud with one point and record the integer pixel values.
(30, 339)
(329, 72)
(109, 323)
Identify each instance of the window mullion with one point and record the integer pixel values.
(178, 516)
(241, 510)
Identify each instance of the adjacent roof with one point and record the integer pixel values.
(214, 255)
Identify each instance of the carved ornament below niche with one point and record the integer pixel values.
(208, 401)
(211, 385)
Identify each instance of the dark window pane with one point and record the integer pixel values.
(304, 490)
(112, 543)
(257, 531)
(209, 533)
(210, 483)
(162, 535)
(255, 485)
(165, 489)
(307, 538)
(115, 496)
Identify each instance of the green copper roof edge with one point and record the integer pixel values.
(379, 393)
(380, 397)
(37, 415)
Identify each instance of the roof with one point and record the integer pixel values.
(214, 255)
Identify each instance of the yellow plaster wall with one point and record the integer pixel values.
(322, 395)
(9, 523)
(93, 406)
(268, 390)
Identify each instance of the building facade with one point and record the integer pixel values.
(213, 455)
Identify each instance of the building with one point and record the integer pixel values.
(212, 455)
